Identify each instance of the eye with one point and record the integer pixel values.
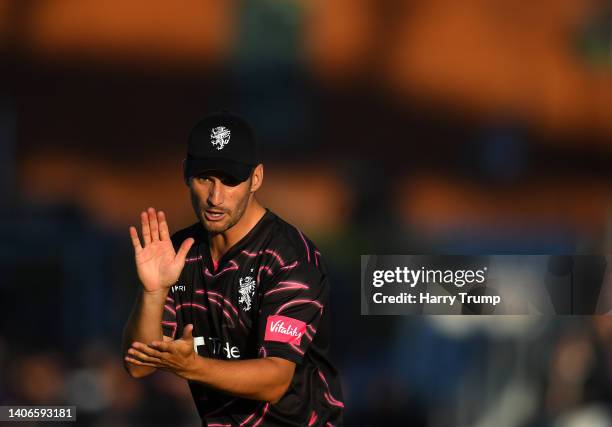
(202, 178)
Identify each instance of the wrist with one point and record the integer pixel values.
(158, 294)
(194, 371)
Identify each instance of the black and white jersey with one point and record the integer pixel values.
(267, 296)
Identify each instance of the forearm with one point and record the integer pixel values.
(144, 325)
(259, 379)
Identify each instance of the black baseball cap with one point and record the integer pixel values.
(222, 141)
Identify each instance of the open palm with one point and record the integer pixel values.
(157, 264)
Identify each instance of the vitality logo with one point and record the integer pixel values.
(284, 329)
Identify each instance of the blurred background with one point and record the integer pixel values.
(388, 126)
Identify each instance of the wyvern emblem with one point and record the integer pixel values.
(220, 137)
(246, 291)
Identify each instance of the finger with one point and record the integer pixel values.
(164, 233)
(187, 332)
(148, 350)
(161, 346)
(135, 240)
(146, 231)
(139, 355)
(153, 224)
(140, 363)
(184, 249)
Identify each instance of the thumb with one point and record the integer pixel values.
(184, 249)
(187, 332)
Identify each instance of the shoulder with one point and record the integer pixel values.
(194, 231)
(293, 244)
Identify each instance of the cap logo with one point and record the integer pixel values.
(220, 137)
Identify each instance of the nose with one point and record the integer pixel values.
(215, 193)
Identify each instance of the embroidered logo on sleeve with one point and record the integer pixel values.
(284, 329)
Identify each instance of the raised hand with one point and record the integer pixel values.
(157, 264)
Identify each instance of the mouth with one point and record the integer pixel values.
(213, 215)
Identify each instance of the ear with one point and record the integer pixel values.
(257, 177)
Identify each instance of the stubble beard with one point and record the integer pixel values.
(233, 218)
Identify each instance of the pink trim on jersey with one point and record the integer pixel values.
(218, 425)
(253, 414)
(251, 254)
(234, 267)
(191, 304)
(168, 323)
(292, 282)
(218, 295)
(170, 309)
(226, 301)
(275, 255)
(305, 244)
(327, 394)
(317, 254)
(174, 326)
(328, 424)
(332, 401)
(313, 330)
(262, 350)
(266, 251)
(263, 414)
(307, 335)
(290, 266)
(313, 418)
(170, 300)
(225, 312)
(297, 349)
(267, 270)
(215, 264)
(300, 301)
(221, 407)
(287, 286)
(193, 259)
(211, 295)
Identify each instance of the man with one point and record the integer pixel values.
(241, 309)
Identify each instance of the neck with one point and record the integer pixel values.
(220, 243)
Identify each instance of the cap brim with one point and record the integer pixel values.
(197, 166)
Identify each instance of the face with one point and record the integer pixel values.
(219, 201)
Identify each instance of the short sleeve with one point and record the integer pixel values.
(291, 307)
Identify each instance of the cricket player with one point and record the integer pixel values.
(238, 303)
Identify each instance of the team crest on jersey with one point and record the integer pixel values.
(246, 292)
(220, 137)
